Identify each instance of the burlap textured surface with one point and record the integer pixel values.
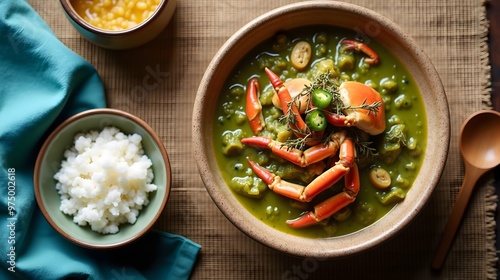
(158, 82)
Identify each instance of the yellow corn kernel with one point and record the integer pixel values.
(141, 5)
(110, 16)
(115, 14)
(119, 11)
(124, 24)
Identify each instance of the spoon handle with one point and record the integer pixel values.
(471, 176)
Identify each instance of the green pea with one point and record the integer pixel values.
(388, 85)
(272, 211)
(395, 119)
(228, 108)
(237, 91)
(321, 50)
(240, 117)
(345, 77)
(403, 102)
(321, 38)
(411, 143)
(345, 62)
(371, 84)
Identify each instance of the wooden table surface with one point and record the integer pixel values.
(494, 18)
(493, 13)
(445, 28)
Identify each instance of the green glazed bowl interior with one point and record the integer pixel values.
(49, 162)
(367, 23)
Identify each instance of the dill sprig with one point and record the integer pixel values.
(327, 82)
(300, 143)
(397, 135)
(296, 143)
(322, 81)
(363, 145)
(366, 150)
(371, 108)
(330, 83)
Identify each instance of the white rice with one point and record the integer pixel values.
(105, 179)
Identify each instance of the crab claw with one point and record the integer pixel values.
(354, 95)
(358, 46)
(282, 187)
(319, 184)
(322, 210)
(253, 106)
(299, 126)
(295, 87)
(331, 205)
(298, 157)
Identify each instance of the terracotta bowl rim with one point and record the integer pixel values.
(274, 238)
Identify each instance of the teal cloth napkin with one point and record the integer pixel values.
(42, 82)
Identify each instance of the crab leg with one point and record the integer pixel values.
(301, 158)
(364, 108)
(331, 205)
(253, 106)
(318, 185)
(340, 120)
(298, 157)
(286, 102)
(335, 173)
(282, 187)
(358, 46)
(296, 191)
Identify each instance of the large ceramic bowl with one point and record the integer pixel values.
(49, 162)
(367, 23)
(128, 38)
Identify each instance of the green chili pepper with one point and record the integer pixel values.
(316, 120)
(321, 98)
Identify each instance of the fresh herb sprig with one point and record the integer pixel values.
(330, 83)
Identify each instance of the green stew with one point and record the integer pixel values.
(388, 162)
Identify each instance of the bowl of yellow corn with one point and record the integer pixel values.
(119, 24)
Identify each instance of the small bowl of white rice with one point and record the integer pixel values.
(102, 178)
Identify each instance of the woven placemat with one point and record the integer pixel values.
(158, 82)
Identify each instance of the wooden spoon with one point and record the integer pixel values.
(480, 148)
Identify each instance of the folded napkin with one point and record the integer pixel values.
(42, 82)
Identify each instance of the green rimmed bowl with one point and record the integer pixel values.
(49, 161)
